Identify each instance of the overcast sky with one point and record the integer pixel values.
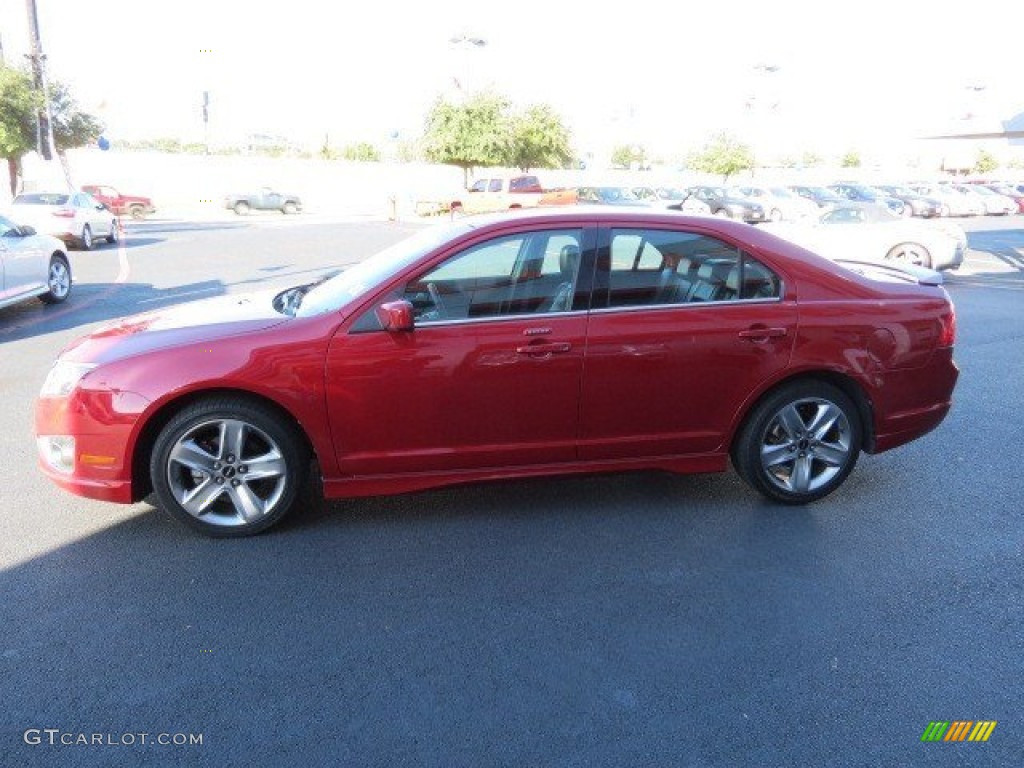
(665, 74)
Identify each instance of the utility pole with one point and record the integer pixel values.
(44, 129)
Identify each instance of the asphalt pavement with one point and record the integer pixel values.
(630, 620)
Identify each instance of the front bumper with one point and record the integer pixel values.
(102, 425)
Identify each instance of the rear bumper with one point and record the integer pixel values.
(914, 402)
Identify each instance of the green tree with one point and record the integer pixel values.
(72, 128)
(539, 139)
(625, 155)
(362, 152)
(18, 106)
(810, 159)
(723, 156)
(985, 162)
(850, 160)
(472, 133)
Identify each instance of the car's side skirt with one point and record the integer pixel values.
(378, 485)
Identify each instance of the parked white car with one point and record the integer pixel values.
(953, 203)
(995, 203)
(869, 232)
(74, 217)
(781, 203)
(31, 265)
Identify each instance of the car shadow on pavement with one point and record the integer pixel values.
(1006, 245)
(180, 226)
(142, 624)
(92, 303)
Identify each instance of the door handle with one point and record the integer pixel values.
(762, 333)
(544, 348)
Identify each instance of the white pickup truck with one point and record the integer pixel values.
(498, 193)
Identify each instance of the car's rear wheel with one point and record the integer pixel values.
(86, 238)
(799, 443)
(136, 212)
(241, 208)
(112, 237)
(58, 280)
(775, 215)
(724, 213)
(289, 208)
(910, 253)
(228, 467)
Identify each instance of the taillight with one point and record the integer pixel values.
(65, 213)
(947, 330)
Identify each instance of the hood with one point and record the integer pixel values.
(195, 322)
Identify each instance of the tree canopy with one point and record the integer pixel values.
(472, 133)
(19, 106)
(481, 131)
(539, 139)
(723, 156)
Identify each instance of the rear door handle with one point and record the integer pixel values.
(762, 333)
(544, 348)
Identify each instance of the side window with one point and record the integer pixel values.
(521, 274)
(659, 267)
(479, 185)
(494, 186)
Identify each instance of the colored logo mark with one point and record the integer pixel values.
(959, 730)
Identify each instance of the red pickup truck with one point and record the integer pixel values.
(136, 206)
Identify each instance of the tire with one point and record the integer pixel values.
(58, 280)
(910, 253)
(241, 208)
(137, 212)
(289, 208)
(780, 454)
(86, 240)
(775, 215)
(198, 478)
(112, 237)
(724, 213)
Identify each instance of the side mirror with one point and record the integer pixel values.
(396, 315)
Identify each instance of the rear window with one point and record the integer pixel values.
(42, 199)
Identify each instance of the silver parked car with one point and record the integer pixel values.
(74, 217)
(31, 265)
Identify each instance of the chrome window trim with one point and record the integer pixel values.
(687, 304)
(499, 318)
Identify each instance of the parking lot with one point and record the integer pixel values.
(636, 619)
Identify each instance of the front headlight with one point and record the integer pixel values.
(63, 378)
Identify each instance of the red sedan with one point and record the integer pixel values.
(507, 346)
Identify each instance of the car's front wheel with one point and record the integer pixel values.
(289, 208)
(112, 237)
(241, 208)
(58, 280)
(228, 467)
(799, 443)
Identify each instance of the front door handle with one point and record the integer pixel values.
(545, 348)
(761, 333)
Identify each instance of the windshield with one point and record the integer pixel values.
(335, 293)
(781, 192)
